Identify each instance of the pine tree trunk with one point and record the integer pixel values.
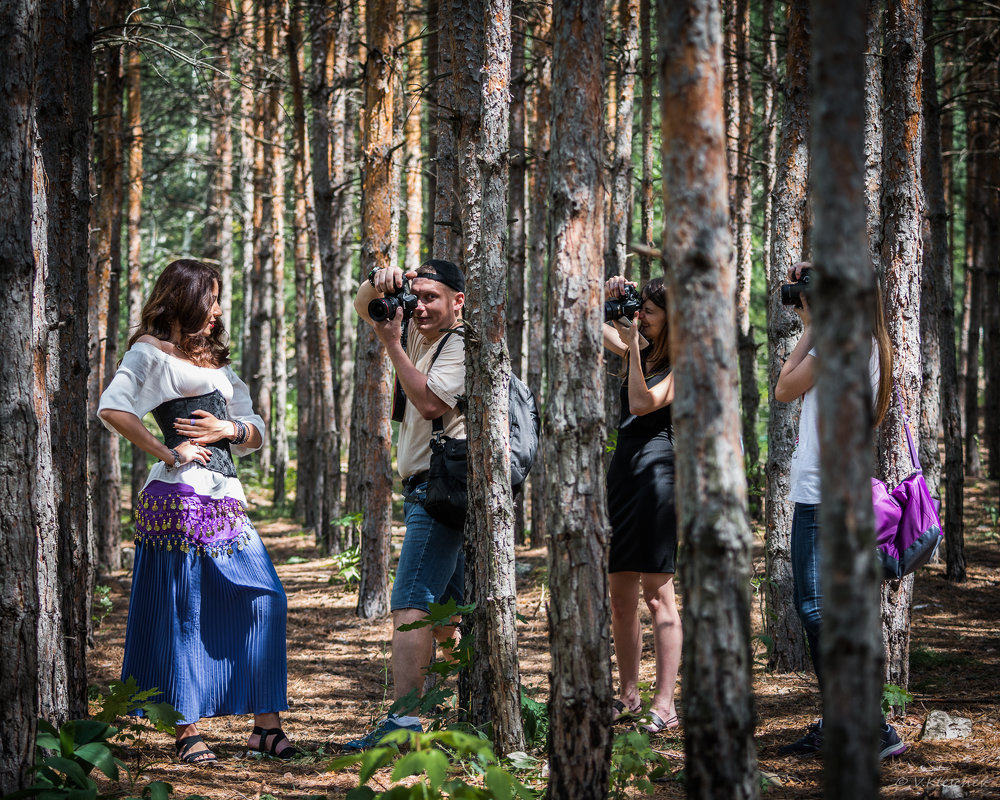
(990, 158)
(743, 223)
(538, 244)
(646, 125)
(573, 438)
(972, 311)
(248, 149)
(902, 257)
(467, 58)
(447, 233)
(517, 232)
(133, 77)
(65, 82)
(412, 134)
(20, 406)
(873, 131)
(938, 270)
(620, 173)
(106, 274)
(370, 421)
(851, 647)
(721, 760)
(788, 243)
(491, 508)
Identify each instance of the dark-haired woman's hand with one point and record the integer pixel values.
(188, 451)
(203, 427)
(615, 286)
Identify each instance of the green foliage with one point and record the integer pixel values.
(123, 700)
(894, 697)
(634, 765)
(102, 604)
(77, 748)
(348, 566)
(443, 761)
(535, 718)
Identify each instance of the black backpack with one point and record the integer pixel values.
(525, 423)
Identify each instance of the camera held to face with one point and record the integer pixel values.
(625, 306)
(382, 308)
(791, 293)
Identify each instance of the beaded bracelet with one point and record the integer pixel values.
(242, 432)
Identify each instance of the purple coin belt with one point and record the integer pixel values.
(173, 516)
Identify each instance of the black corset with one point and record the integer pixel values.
(214, 403)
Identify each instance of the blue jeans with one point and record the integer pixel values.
(807, 594)
(431, 565)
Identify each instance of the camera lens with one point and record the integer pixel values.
(382, 308)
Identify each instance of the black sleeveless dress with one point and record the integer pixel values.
(641, 491)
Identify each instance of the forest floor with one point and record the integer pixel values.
(338, 685)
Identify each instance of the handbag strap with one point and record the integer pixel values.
(437, 426)
(906, 427)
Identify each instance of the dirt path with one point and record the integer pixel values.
(337, 667)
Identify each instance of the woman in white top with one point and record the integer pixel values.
(206, 623)
(798, 379)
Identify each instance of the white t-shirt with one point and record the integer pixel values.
(148, 377)
(804, 473)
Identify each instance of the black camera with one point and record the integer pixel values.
(625, 306)
(382, 308)
(791, 293)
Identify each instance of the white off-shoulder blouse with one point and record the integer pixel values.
(148, 377)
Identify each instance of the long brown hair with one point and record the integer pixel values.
(880, 333)
(183, 294)
(656, 357)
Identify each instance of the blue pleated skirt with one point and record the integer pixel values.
(208, 632)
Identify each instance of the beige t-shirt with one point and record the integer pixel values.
(446, 378)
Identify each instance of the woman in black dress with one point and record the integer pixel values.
(640, 487)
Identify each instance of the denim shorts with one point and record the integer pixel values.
(431, 565)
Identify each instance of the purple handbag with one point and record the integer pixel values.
(907, 526)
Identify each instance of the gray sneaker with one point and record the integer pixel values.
(891, 745)
(808, 745)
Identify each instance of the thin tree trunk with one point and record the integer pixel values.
(788, 243)
(412, 134)
(447, 233)
(573, 440)
(515, 212)
(743, 223)
(370, 421)
(106, 261)
(721, 759)
(65, 81)
(541, 50)
(248, 149)
(990, 157)
(851, 647)
(873, 131)
(646, 122)
(620, 173)
(20, 406)
(219, 238)
(938, 270)
(133, 77)
(902, 257)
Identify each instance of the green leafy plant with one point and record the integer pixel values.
(535, 718)
(66, 757)
(124, 699)
(894, 696)
(347, 565)
(102, 604)
(634, 765)
(433, 757)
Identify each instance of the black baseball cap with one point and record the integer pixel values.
(444, 272)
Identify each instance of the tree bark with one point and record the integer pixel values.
(133, 141)
(721, 760)
(491, 518)
(902, 257)
(573, 438)
(620, 172)
(106, 266)
(21, 405)
(370, 421)
(412, 134)
(873, 131)
(646, 123)
(446, 224)
(541, 51)
(938, 272)
(65, 80)
(743, 224)
(279, 430)
(788, 238)
(851, 648)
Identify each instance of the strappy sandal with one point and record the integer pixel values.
(622, 713)
(657, 724)
(285, 751)
(187, 744)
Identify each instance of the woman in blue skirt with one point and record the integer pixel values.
(206, 621)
